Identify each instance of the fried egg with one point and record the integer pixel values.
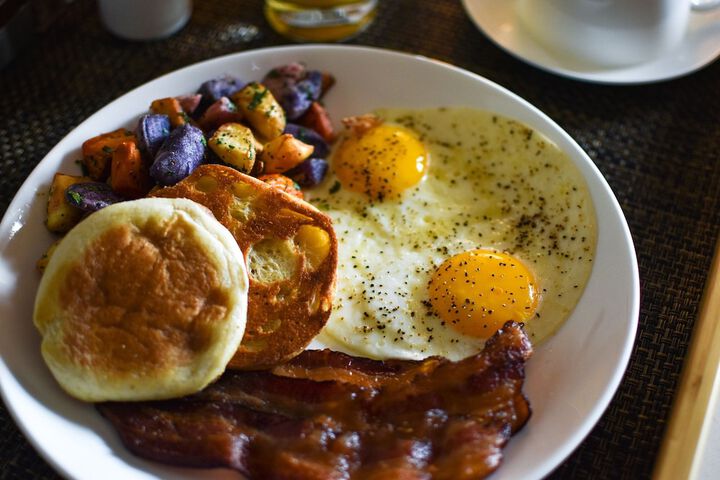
(451, 222)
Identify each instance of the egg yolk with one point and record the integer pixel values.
(381, 162)
(476, 292)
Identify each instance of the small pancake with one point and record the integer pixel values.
(291, 252)
(142, 300)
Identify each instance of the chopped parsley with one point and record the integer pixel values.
(76, 197)
(257, 97)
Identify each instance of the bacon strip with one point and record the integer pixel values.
(383, 420)
(320, 365)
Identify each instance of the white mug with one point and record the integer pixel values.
(144, 19)
(608, 32)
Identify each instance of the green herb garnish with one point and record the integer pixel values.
(76, 197)
(257, 97)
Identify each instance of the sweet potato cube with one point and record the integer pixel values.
(327, 82)
(61, 216)
(129, 175)
(97, 152)
(318, 119)
(171, 107)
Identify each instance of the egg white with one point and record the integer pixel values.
(492, 183)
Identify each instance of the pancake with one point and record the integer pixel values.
(291, 252)
(142, 300)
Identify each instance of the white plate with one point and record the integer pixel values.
(570, 379)
(498, 21)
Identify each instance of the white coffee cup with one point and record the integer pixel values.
(144, 19)
(606, 32)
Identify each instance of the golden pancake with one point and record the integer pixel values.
(142, 300)
(291, 252)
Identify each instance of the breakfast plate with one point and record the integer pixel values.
(498, 20)
(570, 378)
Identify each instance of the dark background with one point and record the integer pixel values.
(657, 146)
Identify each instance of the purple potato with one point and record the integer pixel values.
(297, 98)
(309, 173)
(294, 87)
(309, 136)
(213, 90)
(91, 196)
(179, 156)
(279, 77)
(311, 85)
(152, 130)
(294, 101)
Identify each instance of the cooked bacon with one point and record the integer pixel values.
(391, 420)
(320, 365)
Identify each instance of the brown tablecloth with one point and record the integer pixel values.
(657, 145)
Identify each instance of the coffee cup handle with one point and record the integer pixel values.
(703, 5)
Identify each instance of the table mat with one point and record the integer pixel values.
(657, 145)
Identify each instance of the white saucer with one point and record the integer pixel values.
(498, 21)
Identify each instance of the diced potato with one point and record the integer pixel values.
(235, 144)
(97, 152)
(317, 119)
(189, 103)
(219, 113)
(45, 259)
(171, 107)
(61, 216)
(284, 153)
(261, 110)
(327, 82)
(179, 155)
(129, 176)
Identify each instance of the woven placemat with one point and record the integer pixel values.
(657, 146)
